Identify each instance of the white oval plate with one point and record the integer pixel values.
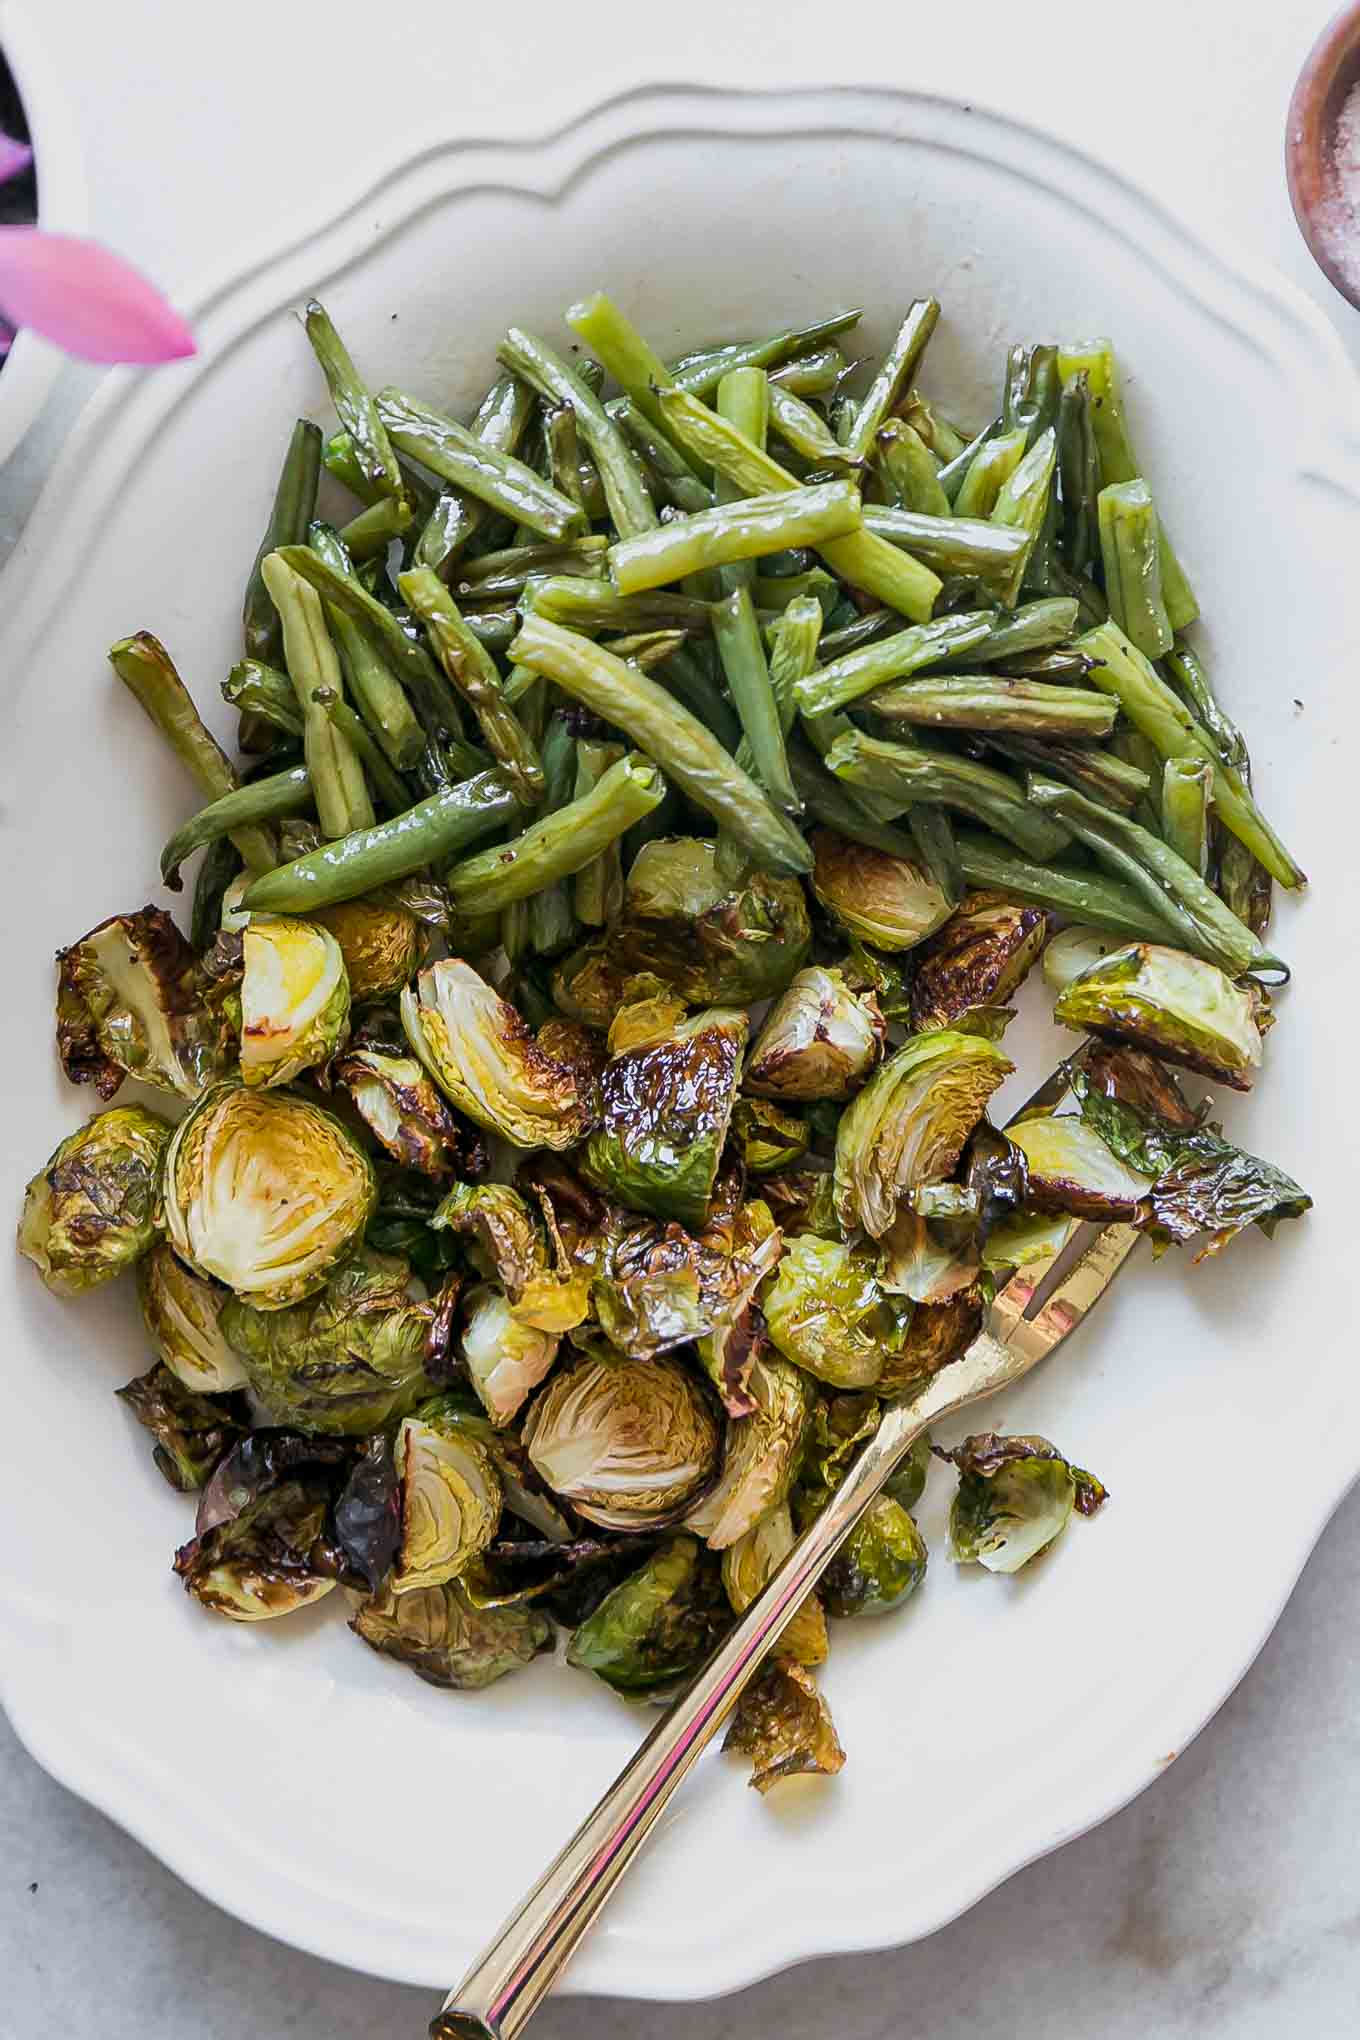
(292, 1776)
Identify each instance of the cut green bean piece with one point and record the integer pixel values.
(263, 691)
(590, 606)
(1085, 896)
(893, 658)
(388, 785)
(746, 529)
(805, 431)
(893, 577)
(507, 571)
(293, 509)
(1155, 709)
(1064, 663)
(1177, 891)
(477, 467)
(971, 548)
(553, 926)
(1092, 770)
(743, 399)
(261, 800)
(837, 806)
(989, 470)
(1032, 391)
(908, 773)
(952, 447)
(597, 889)
(1023, 505)
(1186, 787)
(674, 476)
(1079, 465)
(472, 672)
(865, 630)
(1188, 676)
(368, 535)
(933, 834)
(359, 415)
(910, 470)
(219, 868)
(338, 783)
(814, 374)
(761, 752)
(689, 679)
(339, 458)
(409, 661)
(893, 377)
(570, 469)
(1132, 562)
(983, 701)
(1033, 627)
(677, 741)
(454, 518)
(623, 353)
(701, 372)
(1130, 747)
(377, 692)
(630, 506)
(793, 654)
(148, 672)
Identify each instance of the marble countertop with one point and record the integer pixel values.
(1224, 1904)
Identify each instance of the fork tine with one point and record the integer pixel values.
(1084, 1283)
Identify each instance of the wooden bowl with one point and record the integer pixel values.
(1329, 226)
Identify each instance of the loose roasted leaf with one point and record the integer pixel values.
(784, 1725)
(133, 1001)
(192, 1431)
(713, 942)
(978, 960)
(446, 1640)
(1014, 1498)
(664, 1114)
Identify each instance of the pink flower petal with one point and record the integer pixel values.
(88, 301)
(15, 157)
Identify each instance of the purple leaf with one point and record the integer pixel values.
(91, 303)
(15, 158)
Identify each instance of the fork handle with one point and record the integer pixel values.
(500, 1993)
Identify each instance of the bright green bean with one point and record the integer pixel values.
(1132, 561)
(973, 548)
(982, 701)
(761, 753)
(908, 773)
(745, 529)
(499, 422)
(341, 792)
(477, 467)
(1186, 787)
(373, 530)
(293, 509)
(260, 800)
(387, 784)
(702, 372)
(262, 691)
(893, 658)
(1086, 896)
(631, 509)
(355, 408)
(893, 377)
(910, 470)
(472, 672)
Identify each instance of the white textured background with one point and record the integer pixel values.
(1225, 1903)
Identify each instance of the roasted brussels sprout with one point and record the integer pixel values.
(752, 1561)
(784, 1725)
(446, 1641)
(881, 1563)
(450, 1499)
(656, 1625)
(1074, 951)
(1014, 1498)
(889, 902)
(929, 1260)
(521, 1485)
(838, 1426)
(506, 1358)
(909, 1123)
(381, 941)
(713, 942)
(939, 1332)
(590, 989)
(1175, 1005)
(192, 1431)
(760, 1455)
(93, 1210)
(509, 1245)
(294, 998)
(131, 1001)
(978, 960)
(1033, 1236)
(344, 1361)
(263, 1562)
(402, 1109)
(486, 1061)
(1072, 1170)
(819, 1040)
(664, 1113)
(804, 1201)
(265, 1192)
(766, 1137)
(908, 1484)
(630, 1444)
(738, 1337)
(827, 1312)
(657, 1286)
(182, 1312)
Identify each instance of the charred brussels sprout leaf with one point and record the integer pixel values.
(977, 961)
(381, 941)
(889, 902)
(344, 1361)
(713, 942)
(1072, 1170)
(1175, 1005)
(132, 1001)
(402, 1109)
(446, 1641)
(909, 1124)
(192, 1431)
(630, 1444)
(93, 1210)
(267, 1560)
(657, 1625)
(929, 1260)
(838, 1426)
(486, 1061)
(828, 1314)
(657, 1286)
(265, 1192)
(367, 1517)
(294, 998)
(938, 1334)
(664, 1113)
(804, 1201)
(509, 1244)
(784, 1725)
(1014, 1498)
(760, 1455)
(450, 1498)
(819, 1040)
(182, 1312)
(752, 1561)
(506, 1359)
(881, 1563)
(765, 1136)
(729, 1351)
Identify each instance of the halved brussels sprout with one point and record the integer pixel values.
(760, 1455)
(131, 1002)
(738, 1336)
(752, 1561)
(784, 1725)
(294, 998)
(827, 1312)
(510, 1246)
(446, 1641)
(402, 1109)
(977, 961)
(1175, 1005)
(182, 1313)
(343, 1361)
(93, 1210)
(889, 902)
(381, 941)
(664, 1112)
(629, 1443)
(656, 1625)
(819, 1039)
(523, 1489)
(486, 1061)
(909, 1123)
(1015, 1496)
(506, 1358)
(589, 988)
(192, 1431)
(765, 1137)
(1072, 1170)
(939, 1333)
(450, 1500)
(881, 1563)
(263, 1562)
(265, 1192)
(714, 942)
(1073, 952)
